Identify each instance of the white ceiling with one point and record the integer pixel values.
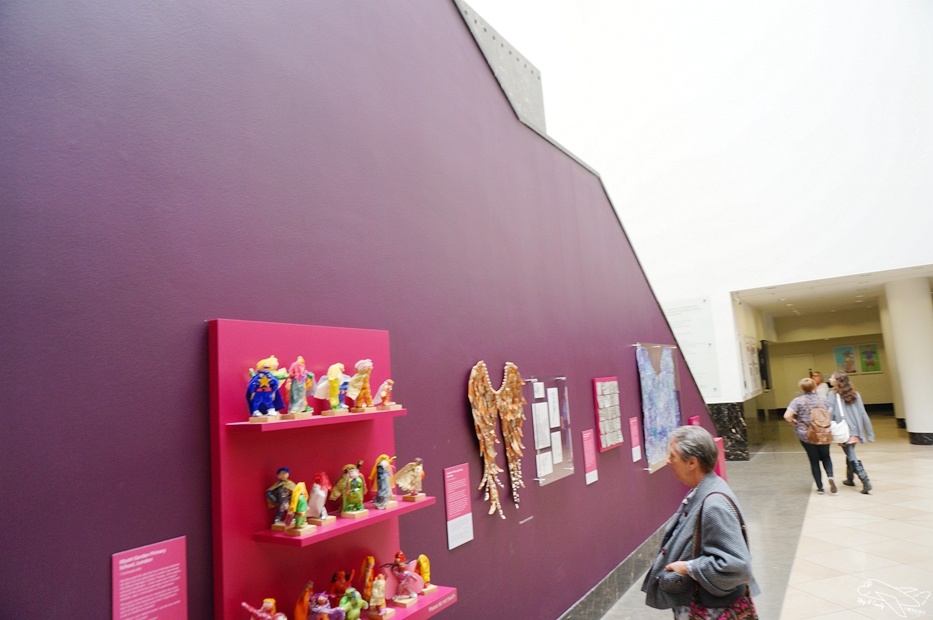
(829, 295)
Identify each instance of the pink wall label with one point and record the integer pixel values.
(635, 430)
(720, 468)
(151, 582)
(457, 499)
(694, 420)
(589, 456)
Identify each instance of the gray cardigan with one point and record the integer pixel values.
(856, 416)
(725, 562)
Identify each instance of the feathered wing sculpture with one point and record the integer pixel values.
(512, 413)
(506, 403)
(483, 401)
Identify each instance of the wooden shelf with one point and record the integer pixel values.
(316, 420)
(343, 524)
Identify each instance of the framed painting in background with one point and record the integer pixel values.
(869, 360)
(845, 359)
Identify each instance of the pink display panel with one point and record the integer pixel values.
(251, 562)
(589, 457)
(720, 468)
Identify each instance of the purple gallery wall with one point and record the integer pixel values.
(333, 163)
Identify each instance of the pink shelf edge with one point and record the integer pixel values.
(316, 420)
(427, 606)
(343, 525)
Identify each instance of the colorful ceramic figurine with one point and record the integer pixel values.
(322, 610)
(320, 485)
(409, 479)
(383, 399)
(338, 585)
(380, 480)
(303, 604)
(377, 600)
(262, 391)
(299, 382)
(330, 387)
(353, 604)
(410, 583)
(279, 496)
(359, 386)
(423, 568)
(367, 574)
(351, 488)
(266, 612)
(297, 518)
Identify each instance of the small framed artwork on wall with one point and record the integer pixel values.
(845, 359)
(869, 360)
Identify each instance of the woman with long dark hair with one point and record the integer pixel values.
(845, 400)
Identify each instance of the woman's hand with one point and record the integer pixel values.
(677, 567)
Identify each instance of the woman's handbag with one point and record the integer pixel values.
(840, 430)
(742, 608)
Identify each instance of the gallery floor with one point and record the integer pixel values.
(834, 556)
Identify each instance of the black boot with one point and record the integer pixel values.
(849, 473)
(863, 476)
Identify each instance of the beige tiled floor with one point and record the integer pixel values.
(834, 556)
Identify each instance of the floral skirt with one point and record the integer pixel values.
(683, 613)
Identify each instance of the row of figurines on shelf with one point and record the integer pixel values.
(342, 601)
(299, 509)
(265, 402)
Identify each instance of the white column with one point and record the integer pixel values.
(911, 312)
(894, 377)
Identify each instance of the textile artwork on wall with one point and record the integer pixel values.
(660, 408)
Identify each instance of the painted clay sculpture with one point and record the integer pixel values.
(299, 382)
(359, 389)
(321, 609)
(353, 604)
(298, 508)
(303, 604)
(266, 612)
(383, 397)
(330, 387)
(410, 583)
(377, 600)
(381, 480)
(367, 574)
(317, 498)
(423, 568)
(279, 496)
(351, 488)
(262, 391)
(410, 477)
(338, 585)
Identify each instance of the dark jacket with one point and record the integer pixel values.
(724, 566)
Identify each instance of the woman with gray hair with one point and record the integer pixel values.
(704, 560)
